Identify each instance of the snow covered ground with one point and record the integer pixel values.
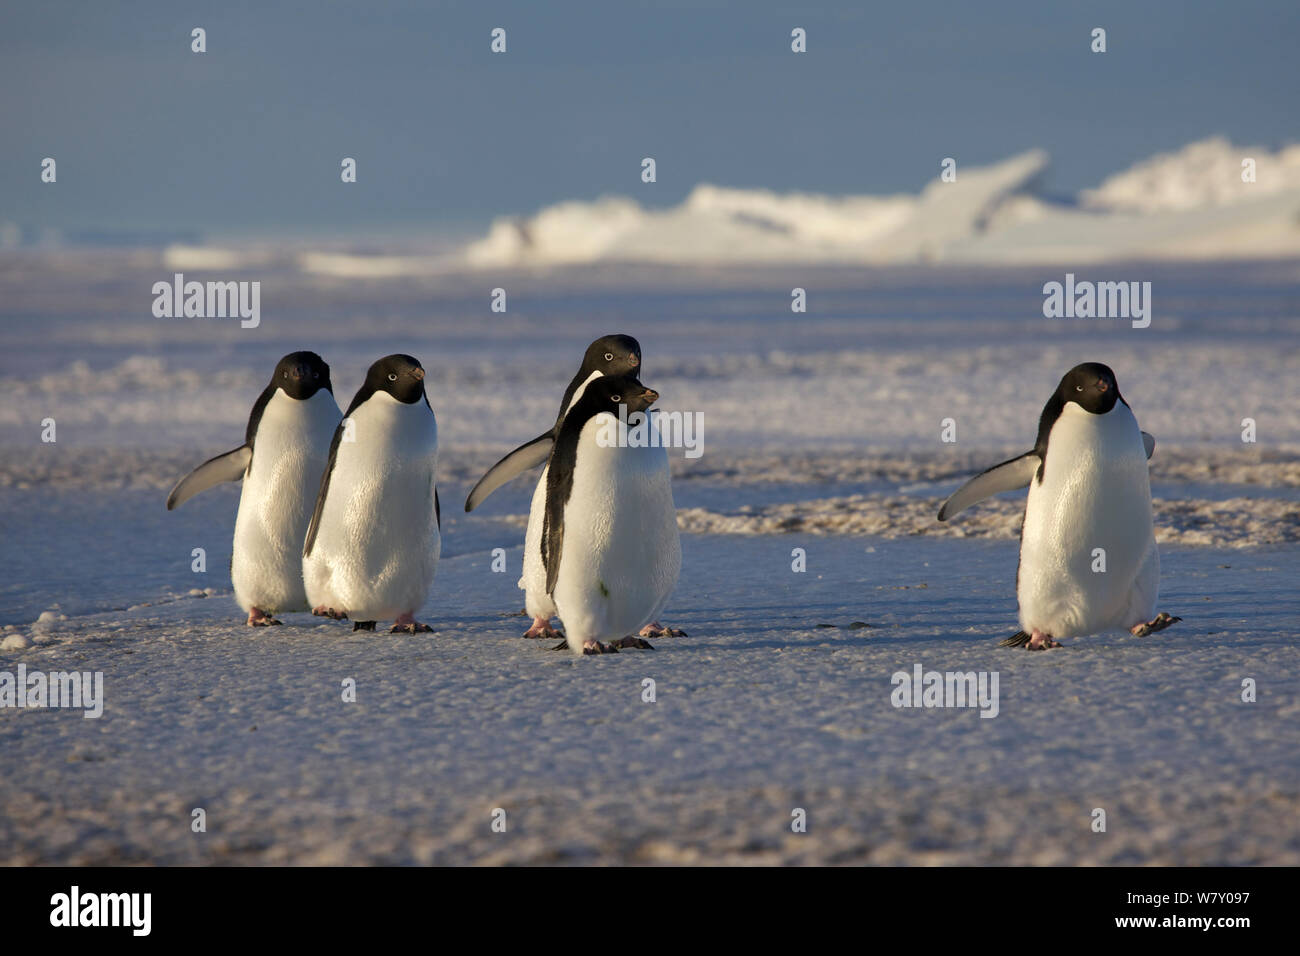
(822, 432)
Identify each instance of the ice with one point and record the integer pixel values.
(822, 433)
(1191, 204)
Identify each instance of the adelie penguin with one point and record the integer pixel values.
(610, 546)
(1088, 558)
(374, 541)
(285, 449)
(607, 355)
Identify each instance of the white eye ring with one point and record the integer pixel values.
(609, 356)
(616, 398)
(1078, 388)
(392, 376)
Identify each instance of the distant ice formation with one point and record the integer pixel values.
(1190, 204)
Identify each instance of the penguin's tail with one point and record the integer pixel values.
(1018, 639)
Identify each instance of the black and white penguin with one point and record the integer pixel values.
(608, 355)
(285, 449)
(611, 549)
(374, 542)
(1088, 557)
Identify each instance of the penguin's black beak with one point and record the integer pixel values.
(298, 373)
(1101, 385)
(418, 374)
(650, 396)
(634, 360)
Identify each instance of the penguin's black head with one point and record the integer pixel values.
(610, 391)
(612, 355)
(1092, 386)
(401, 376)
(301, 375)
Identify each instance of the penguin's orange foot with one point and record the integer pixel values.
(407, 624)
(329, 612)
(655, 629)
(1038, 641)
(542, 630)
(596, 647)
(259, 618)
(1158, 623)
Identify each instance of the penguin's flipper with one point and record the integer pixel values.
(1018, 639)
(526, 456)
(1149, 442)
(228, 467)
(1007, 476)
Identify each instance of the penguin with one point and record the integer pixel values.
(608, 355)
(374, 540)
(1088, 557)
(615, 354)
(610, 549)
(286, 446)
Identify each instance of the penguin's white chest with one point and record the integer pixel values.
(378, 544)
(622, 552)
(290, 451)
(1088, 558)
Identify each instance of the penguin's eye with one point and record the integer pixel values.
(286, 374)
(1078, 388)
(315, 374)
(616, 399)
(609, 356)
(392, 376)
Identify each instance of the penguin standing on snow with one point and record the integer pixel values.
(286, 446)
(374, 542)
(607, 355)
(610, 550)
(1088, 558)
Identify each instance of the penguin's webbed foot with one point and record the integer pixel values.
(542, 630)
(1038, 641)
(259, 618)
(596, 647)
(363, 626)
(562, 646)
(407, 624)
(1158, 623)
(655, 629)
(329, 612)
(639, 643)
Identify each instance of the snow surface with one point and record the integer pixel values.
(822, 432)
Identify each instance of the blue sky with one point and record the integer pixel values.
(248, 136)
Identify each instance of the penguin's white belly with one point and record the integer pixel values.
(1093, 506)
(622, 553)
(533, 582)
(378, 544)
(290, 451)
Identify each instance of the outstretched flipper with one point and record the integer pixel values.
(1149, 443)
(526, 456)
(230, 466)
(1007, 476)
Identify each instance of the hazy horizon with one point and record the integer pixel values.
(247, 138)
